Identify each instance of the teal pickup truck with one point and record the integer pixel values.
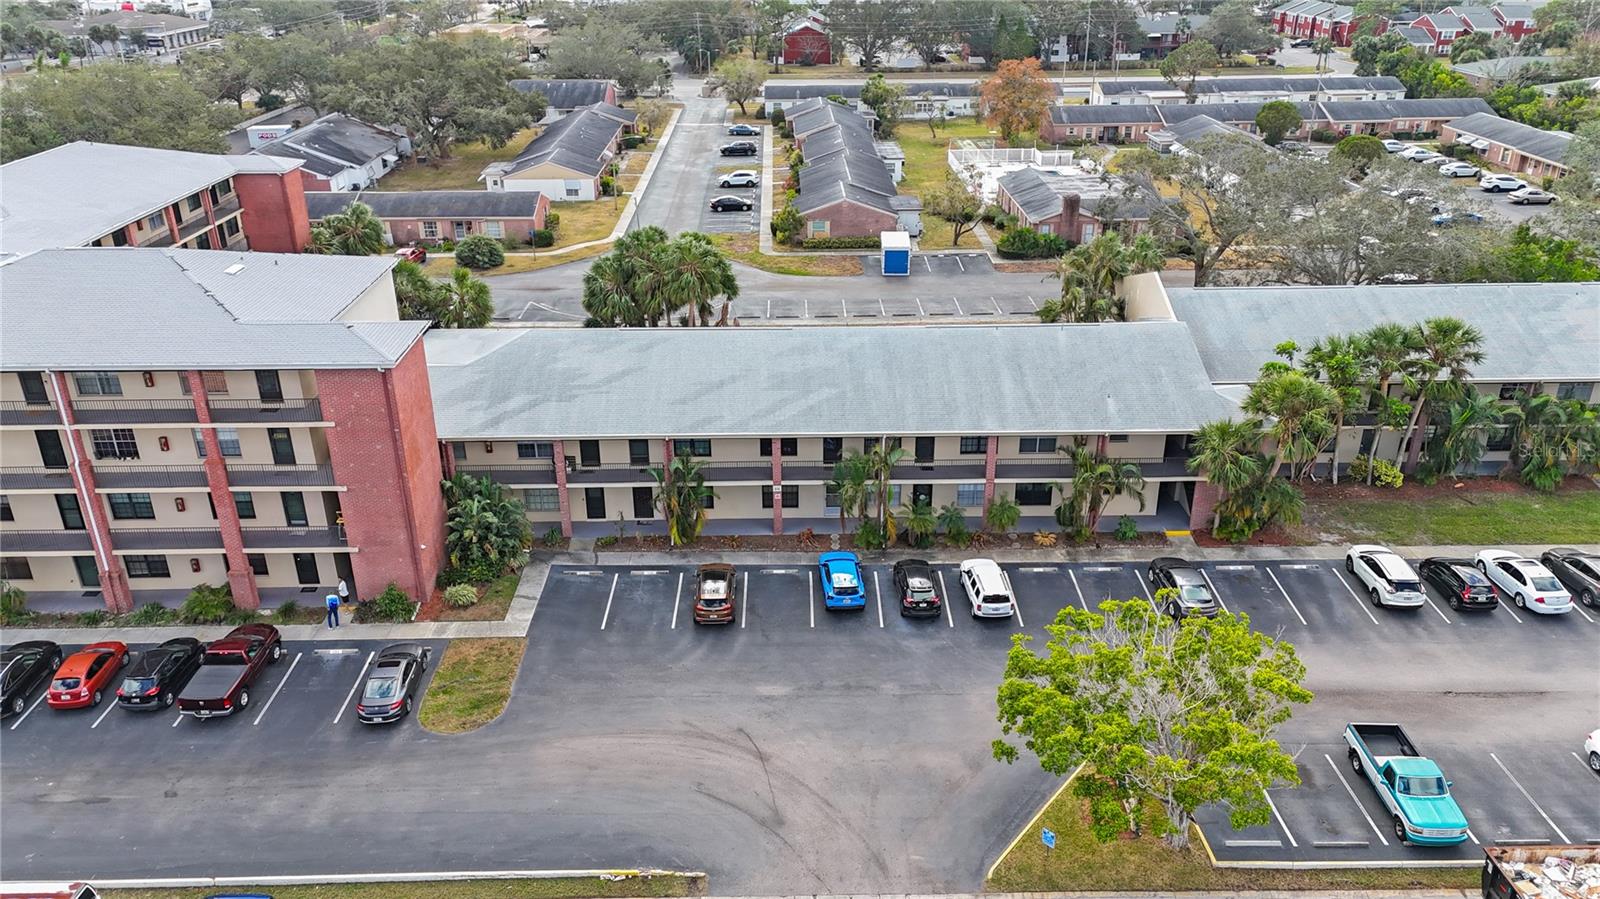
(1412, 787)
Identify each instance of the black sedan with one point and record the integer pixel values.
(23, 668)
(157, 676)
(391, 686)
(913, 582)
(1461, 584)
(1578, 571)
(1192, 593)
(743, 130)
(731, 204)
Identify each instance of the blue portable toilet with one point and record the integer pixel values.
(896, 252)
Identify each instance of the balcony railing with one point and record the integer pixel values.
(97, 412)
(228, 206)
(1047, 468)
(165, 539)
(191, 227)
(266, 410)
(132, 477)
(280, 475)
(158, 238)
(19, 542)
(516, 472)
(33, 415)
(34, 478)
(295, 538)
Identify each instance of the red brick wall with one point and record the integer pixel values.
(274, 211)
(847, 219)
(1204, 504)
(406, 231)
(114, 586)
(384, 451)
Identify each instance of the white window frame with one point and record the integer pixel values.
(542, 499)
(965, 493)
(495, 229)
(430, 230)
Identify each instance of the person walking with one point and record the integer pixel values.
(344, 592)
(333, 610)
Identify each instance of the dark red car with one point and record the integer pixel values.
(412, 254)
(228, 668)
(86, 675)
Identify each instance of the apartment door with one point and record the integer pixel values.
(269, 386)
(644, 505)
(924, 449)
(594, 503)
(88, 572)
(282, 446)
(50, 449)
(922, 493)
(294, 509)
(589, 453)
(832, 449)
(305, 569)
(33, 388)
(71, 513)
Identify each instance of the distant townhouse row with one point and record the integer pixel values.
(846, 186)
(1127, 124)
(564, 96)
(1433, 32)
(1249, 89)
(430, 217)
(1510, 145)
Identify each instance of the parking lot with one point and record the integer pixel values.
(734, 222)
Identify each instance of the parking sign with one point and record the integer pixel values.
(1049, 838)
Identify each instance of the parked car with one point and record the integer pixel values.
(1457, 217)
(1411, 787)
(741, 178)
(84, 677)
(1532, 195)
(1459, 170)
(392, 683)
(418, 255)
(230, 665)
(716, 592)
(1430, 158)
(1578, 571)
(1415, 153)
(988, 589)
(1393, 146)
(841, 581)
(913, 583)
(1529, 584)
(1495, 182)
(1463, 586)
(1389, 580)
(1193, 593)
(1591, 750)
(743, 130)
(1302, 43)
(732, 204)
(23, 668)
(739, 148)
(158, 675)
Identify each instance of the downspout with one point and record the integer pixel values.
(77, 482)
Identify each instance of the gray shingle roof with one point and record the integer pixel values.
(582, 141)
(1413, 35)
(1167, 23)
(1106, 114)
(494, 384)
(1479, 17)
(1386, 110)
(564, 93)
(1196, 127)
(340, 138)
(1231, 113)
(1548, 145)
(788, 90)
(1547, 332)
(842, 159)
(75, 193)
(131, 309)
(1254, 84)
(424, 204)
(1504, 67)
(1040, 193)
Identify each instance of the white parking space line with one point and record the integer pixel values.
(1578, 607)
(926, 264)
(677, 597)
(1078, 590)
(1579, 760)
(1473, 837)
(30, 709)
(1370, 823)
(877, 592)
(882, 311)
(1146, 588)
(997, 309)
(956, 301)
(1429, 600)
(607, 616)
(1518, 785)
(1288, 597)
(1034, 302)
(286, 675)
(1016, 611)
(1359, 604)
(962, 264)
(805, 306)
(1215, 592)
(949, 615)
(1274, 806)
(811, 599)
(109, 706)
(920, 311)
(355, 686)
(746, 616)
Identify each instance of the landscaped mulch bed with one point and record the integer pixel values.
(1273, 536)
(822, 543)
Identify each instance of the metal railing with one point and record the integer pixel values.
(118, 411)
(136, 476)
(226, 207)
(17, 542)
(165, 539)
(34, 477)
(19, 412)
(280, 475)
(161, 238)
(295, 537)
(266, 410)
(191, 227)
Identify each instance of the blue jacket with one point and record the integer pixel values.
(333, 600)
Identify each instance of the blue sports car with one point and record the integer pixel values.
(841, 581)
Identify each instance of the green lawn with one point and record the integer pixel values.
(746, 249)
(460, 171)
(1147, 865)
(926, 168)
(472, 684)
(1469, 517)
(557, 888)
(493, 601)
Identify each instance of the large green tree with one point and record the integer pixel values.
(1183, 67)
(1091, 276)
(1234, 28)
(1277, 118)
(354, 232)
(138, 104)
(486, 531)
(869, 27)
(602, 47)
(887, 100)
(1296, 411)
(464, 301)
(1145, 709)
(1446, 350)
(739, 79)
(648, 277)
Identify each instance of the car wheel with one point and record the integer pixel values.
(1399, 830)
(1481, 567)
(408, 705)
(97, 695)
(1587, 598)
(1594, 761)
(1521, 603)
(1376, 599)
(277, 652)
(167, 698)
(55, 661)
(1355, 761)
(1349, 566)
(902, 611)
(974, 611)
(244, 698)
(1455, 601)
(17, 705)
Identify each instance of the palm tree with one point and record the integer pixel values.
(1390, 348)
(465, 301)
(1324, 49)
(1467, 426)
(1345, 365)
(681, 495)
(849, 484)
(1297, 413)
(881, 460)
(1096, 481)
(1445, 346)
(1227, 453)
(695, 272)
(1091, 273)
(921, 524)
(416, 294)
(1002, 515)
(354, 232)
(607, 293)
(953, 520)
(1552, 436)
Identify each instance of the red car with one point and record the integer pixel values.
(412, 254)
(86, 675)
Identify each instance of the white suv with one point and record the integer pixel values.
(988, 589)
(1495, 182)
(1390, 581)
(741, 178)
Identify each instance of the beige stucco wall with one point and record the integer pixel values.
(376, 304)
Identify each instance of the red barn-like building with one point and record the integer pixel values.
(807, 43)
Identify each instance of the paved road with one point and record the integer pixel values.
(683, 180)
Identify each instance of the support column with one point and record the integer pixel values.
(114, 587)
(241, 578)
(991, 454)
(172, 221)
(559, 450)
(447, 459)
(777, 486)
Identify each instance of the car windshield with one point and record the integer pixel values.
(1422, 786)
(67, 683)
(382, 688)
(918, 583)
(1194, 593)
(844, 582)
(1545, 583)
(135, 685)
(1408, 586)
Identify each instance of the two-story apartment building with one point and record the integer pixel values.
(175, 417)
(1250, 89)
(1313, 19)
(107, 195)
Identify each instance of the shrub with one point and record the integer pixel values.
(288, 611)
(149, 615)
(94, 618)
(608, 186)
(552, 220)
(544, 238)
(480, 251)
(1384, 474)
(990, 213)
(552, 537)
(1044, 538)
(841, 243)
(869, 535)
(777, 117)
(207, 605)
(1324, 136)
(1026, 243)
(632, 141)
(1127, 529)
(391, 605)
(459, 596)
(607, 540)
(447, 246)
(13, 605)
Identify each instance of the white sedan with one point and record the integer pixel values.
(1414, 153)
(1388, 578)
(1459, 170)
(1496, 182)
(1591, 750)
(1393, 146)
(1532, 195)
(1529, 584)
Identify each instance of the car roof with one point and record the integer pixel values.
(77, 663)
(825, 558)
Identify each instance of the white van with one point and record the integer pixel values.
(988, 589)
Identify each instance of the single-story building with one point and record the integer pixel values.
(341, 153)
(1071, 203)
(568, 159)
(1243, 116)
(1251, 89)
(161, 32)
(433, 216)
(1114, 123)
(924, 99)
(1520, 148)
(1181, 136)
(1488, 74)
(528, 39)
(1419, 118)
(845, 188)
(1099, 124)
(566, 95)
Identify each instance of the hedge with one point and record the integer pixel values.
(1026, 243)
(841, 243)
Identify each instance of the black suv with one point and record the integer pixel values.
(1193, 592)
(913, 582)
(157, 676)
(23, 668)
(1462, 585)
(740, 148)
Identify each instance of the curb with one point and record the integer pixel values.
(1043, 807)
(632, 207)
(614, 874)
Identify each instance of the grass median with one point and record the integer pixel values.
(1483, 511)
(472, 684)
(745, 248)
(553, 888)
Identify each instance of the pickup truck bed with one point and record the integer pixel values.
(208, 688)
(1385, 740)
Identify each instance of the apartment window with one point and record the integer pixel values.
(495, 230)
(227, 441)
(294, 509)
(1500, 439)
(969, 496)
(971, 446)
(819, 228)
(1510, 391)
(231, 228)
(791, 496)
(1117, 438)
(216, 383)
(542, 499)
(695, 447)
(572, 188)
(245, 504)
(1033, 494)
(868, 444)
(430, 230)
(156, 222)
(5, 509)
(258, 563)
(458, 450)
(114, 443)
(788, 446)
(130, 505)
(1575, 390)
(193, 203)
(146, 566)
(1036, 445)
(536, 450)
(97, 383)
(15, 568)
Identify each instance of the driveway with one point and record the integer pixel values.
(685, 177)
